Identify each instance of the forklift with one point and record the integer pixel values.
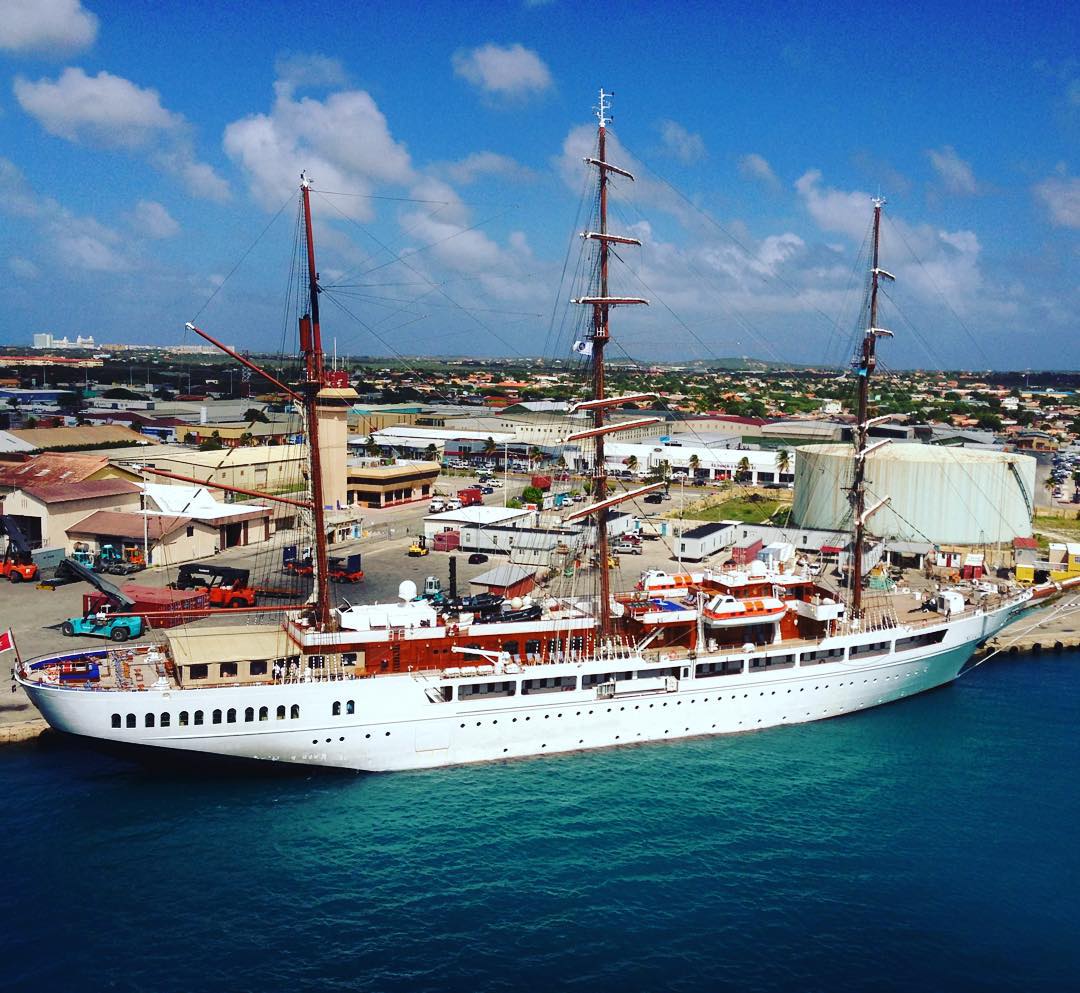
(225, 586)
(100, 623)
(418, 548)
(18, 563)
(120, 562)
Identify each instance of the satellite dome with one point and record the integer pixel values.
(406, 590)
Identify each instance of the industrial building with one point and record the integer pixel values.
(936, 495)
(705, 539)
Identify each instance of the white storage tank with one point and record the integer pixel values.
(938, 494)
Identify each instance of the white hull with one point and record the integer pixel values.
(400, 723)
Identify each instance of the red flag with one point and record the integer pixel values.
(7, 642)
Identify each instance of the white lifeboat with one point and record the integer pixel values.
(726, 611)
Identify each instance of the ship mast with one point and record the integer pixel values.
(313, 382)
(601, 333)
(865, 363)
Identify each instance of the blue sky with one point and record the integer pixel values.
(144, 150)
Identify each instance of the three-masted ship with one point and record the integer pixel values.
(408, 685)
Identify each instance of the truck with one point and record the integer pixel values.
(542, 482)
(120, 561)
(18, 563)
(157, 606)
(471, 496)
(97, 620)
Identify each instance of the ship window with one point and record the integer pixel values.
(592, 678)
(670, 670)
(198, 671)
(505, 688)
(553, 684)
(116, 720)
(166, 719)
(228, 669)
(920, 640)
(822, 655)
(281, 712)
(264, 713)
(149, 720)
(130, 720)
(183, 719)
(198, 717)
(510, 647)
(257, 668)
(874, 648)
(217, 717)
(336, 711)
(725, 667)
(350, 707)
(532, 647)
(249, 714)
(762, 662)
(230, 716)
(294, 712)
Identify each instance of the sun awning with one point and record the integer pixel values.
(232, 643)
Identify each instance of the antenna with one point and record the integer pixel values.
(603, 107)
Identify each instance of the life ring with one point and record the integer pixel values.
(451, 630)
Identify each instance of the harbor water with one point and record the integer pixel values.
(927, 845)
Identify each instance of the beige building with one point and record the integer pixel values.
(390, 485)
(46, 513)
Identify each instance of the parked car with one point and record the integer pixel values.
(654, 498)
(477, 558)
(626, 548)
(487, 489)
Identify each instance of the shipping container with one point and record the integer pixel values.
(542, 482)
(745, 552)
(471, 496)
(446, 541)
(152, 599)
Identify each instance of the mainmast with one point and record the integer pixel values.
(313, 382)
(601, 333)
(865, 363)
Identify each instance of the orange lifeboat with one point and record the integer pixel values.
(726, 611)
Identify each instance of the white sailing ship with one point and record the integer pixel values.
(407, 685)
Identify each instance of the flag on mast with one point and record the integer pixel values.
(7, 642)
(583, 347)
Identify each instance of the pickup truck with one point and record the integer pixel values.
(626, 548)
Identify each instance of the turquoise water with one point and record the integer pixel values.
(929, 845)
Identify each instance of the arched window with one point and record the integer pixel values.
(281, 712)
(198, 717)
(183, 719)
(350, 707)
(249, 714)
(149, 720)
(116, 720)
(217, 717)
(264, 713)
(231, 715)
(294, 714)
(130, 720)
(337, 708)
(166, 719)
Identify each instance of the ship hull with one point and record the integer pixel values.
(398, 722)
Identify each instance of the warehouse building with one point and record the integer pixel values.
(936, 495)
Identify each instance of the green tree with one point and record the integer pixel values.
(371, 446)
(631, 463)
(532, 494)
(743, 471)
(694, 464)
(432, 453)
(783, 461)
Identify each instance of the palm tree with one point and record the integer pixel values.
(432, 453)
(695, 464)
(743, 469)
(535, 455)
(631, 463)
(490, 448)
(783, 461)
(372, 446)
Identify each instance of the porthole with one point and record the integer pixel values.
(368, 735)
(341, 739)
(387, 734)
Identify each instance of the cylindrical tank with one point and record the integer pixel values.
(937, 494)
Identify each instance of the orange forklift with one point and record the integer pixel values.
(18, 563)
(225, 586)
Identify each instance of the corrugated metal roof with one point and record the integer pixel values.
(53, 467)
(120, 525)
(86, 490)
(503, 575)
(86, 434)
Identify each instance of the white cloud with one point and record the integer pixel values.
(684, 145)
(834, 210)
(343, 141)
(111, 111)
(956, 175)
(49, 27)
(756, 167)
(78, 241)
(1061, 197)
(472, 167)
(152, 220)
(505, 71)
(23, 268)
(310, 69)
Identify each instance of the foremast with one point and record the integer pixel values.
(313, 382)
(865, 363)
(600, 335)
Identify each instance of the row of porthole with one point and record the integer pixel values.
(315, 741)
(198, 718)
(719, 699)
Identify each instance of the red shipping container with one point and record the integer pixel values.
(542, 482)
(745, 553)
(471, 496)
(446, 541)
(153, 599)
